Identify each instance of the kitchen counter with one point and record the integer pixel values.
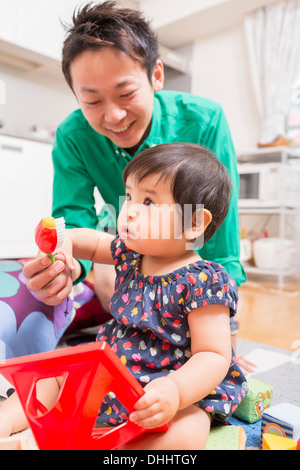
(27, 137)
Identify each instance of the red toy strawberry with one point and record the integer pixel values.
(49, 235)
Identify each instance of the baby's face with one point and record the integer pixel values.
(150, 222)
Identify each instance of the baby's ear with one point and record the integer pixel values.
(200, 221)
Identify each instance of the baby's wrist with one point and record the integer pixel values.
(176, 390)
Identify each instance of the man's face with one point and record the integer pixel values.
(115, 94)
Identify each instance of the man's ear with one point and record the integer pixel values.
(200, 221)
(158, 76)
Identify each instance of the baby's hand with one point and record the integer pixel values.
(66, 253)
(159, 404)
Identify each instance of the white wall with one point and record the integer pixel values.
(221, 73)
(33, 98)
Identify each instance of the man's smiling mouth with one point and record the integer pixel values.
(121, 130)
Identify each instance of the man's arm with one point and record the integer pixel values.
(73, 193)
(224, 246)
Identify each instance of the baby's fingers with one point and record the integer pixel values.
(70, 262)
(67, 259)
(147, 400)
(151, 417)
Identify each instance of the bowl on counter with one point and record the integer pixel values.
(273, 253)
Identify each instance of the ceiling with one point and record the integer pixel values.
(179, 22)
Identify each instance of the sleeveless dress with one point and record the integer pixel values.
(149, 330)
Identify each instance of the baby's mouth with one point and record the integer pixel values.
(126, 233)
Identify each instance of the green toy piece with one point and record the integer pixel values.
(226, 438)
(256, 401)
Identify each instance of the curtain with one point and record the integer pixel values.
(273, 41)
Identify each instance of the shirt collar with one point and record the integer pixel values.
(153, 137)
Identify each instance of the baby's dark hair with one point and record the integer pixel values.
(195, 175)
(106, 25)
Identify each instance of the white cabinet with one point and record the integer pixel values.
(26, 176)
(38, 27)
(32, 35)
(260, 208)
(8, 19)
(35, 25)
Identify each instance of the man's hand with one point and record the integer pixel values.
(246, 366)
(51, 283)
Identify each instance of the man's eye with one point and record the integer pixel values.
(127, 95)
(93, 103)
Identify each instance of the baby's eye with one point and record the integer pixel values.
(128, 197)
(148, 201)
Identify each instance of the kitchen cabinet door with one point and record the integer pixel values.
(8, 12)
(26, 176)
(38, 27)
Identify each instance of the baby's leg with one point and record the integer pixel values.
(188, 431)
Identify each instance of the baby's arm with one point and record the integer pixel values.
(12, 416)
(211, 354)
(88, 244)
(208, 365)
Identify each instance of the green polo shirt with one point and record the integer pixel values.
(84, 159)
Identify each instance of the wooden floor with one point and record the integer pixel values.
(270, 316)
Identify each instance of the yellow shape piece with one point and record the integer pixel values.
(49, 222)
(273, 442)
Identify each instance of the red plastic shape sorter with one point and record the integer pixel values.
(89, 372)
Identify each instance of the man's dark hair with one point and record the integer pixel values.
(105, 25)
(195, 176)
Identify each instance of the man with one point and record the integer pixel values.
(111, 63)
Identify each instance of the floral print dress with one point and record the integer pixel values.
(149, 330)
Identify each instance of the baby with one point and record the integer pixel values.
(171, 309)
